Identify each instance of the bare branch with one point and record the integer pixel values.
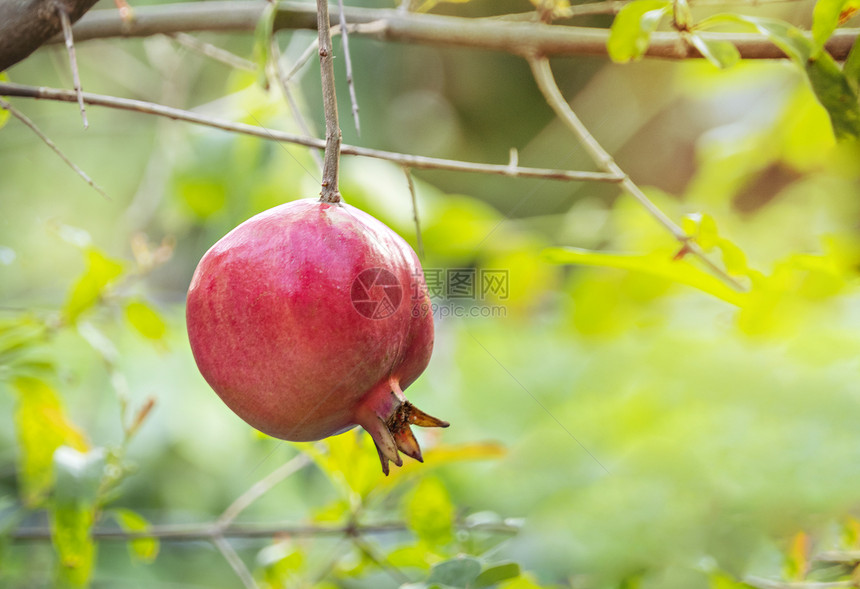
(213, 52)
(210, 531)
(284, 85)
(412, 161)
(547, 84)
(330, 192)
(370, 552)
(26, 24)
(47, 141)
(235, 562)
(262, 487)
(350, 81)
(73, 60)
(519, 38)
(418, 240)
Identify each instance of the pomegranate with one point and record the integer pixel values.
(311, 318)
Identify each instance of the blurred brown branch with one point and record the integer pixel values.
(412, 161)
(521, 38)
(210, 531)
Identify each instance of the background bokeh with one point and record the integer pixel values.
(643, 432)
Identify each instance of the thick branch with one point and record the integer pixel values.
(520, 38)
(26, 24)
(411, 161)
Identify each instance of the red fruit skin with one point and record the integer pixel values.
(274, 330)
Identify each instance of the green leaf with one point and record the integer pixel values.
(825, 19)
(70, 532)
(497, 573)
(142, 548)
(702, 228)
(833, 91)
(4, 114)
(430, 512)
(722, 54)
(789, 38)
(100, 273)
(851, 69)
(457, 572)
(41, 427)
(78, 476)
(677, 271)
(146, 320)
(631, 30)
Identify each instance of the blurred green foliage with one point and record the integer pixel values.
(625, 418)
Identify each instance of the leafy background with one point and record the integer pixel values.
(628, 422)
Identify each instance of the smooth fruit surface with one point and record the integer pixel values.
(310, 318)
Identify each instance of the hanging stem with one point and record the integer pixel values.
(329, 191)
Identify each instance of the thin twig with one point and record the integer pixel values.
(235, 562)
(412, 161)
(395, 573)
(213, 52)
(350, 82)
(47, 141)
(210, 531)
(262, 487)
(548, 86)
(284, 85)
(418, 240)
(761, 583)
(73, 61)
(519, 38)
(331, 161)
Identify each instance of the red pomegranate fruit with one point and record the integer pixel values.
(311, 318)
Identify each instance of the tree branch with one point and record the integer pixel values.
(331, 159)
(26, 24)
(412, 161)
(519, 38)
(211, 531)
(546, 82)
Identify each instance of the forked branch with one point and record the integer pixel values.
(411, 161)
(548, 86)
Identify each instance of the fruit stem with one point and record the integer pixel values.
(329, 193)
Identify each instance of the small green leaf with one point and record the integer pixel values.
(722, 54)
(146, 320)
(142, 548)
(72, 514)
(631, 30)
(101, 271)
(41, 427)
(497, 573)
(791, 40)
(4, 114)
(851, 69)
(457, 572)
(825, 19)
(833, 91)
(70, 532)
(655, 265)
(430, 513)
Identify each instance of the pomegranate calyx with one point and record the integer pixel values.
(395, 433)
